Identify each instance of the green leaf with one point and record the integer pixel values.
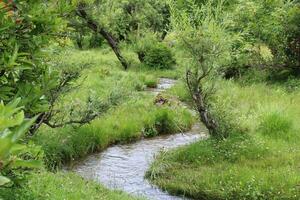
(4, 180)
(22, 129)
(13, 58)
(9, 121)
(5, 146)
(18, 148)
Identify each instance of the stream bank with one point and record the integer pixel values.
(123, 167)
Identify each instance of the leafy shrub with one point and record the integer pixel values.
(164, 122)
(168, 120)
(13, 155)
(154, 54)
(159, 56)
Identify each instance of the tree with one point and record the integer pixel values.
(208, 46)
(93, 25)
(25, 72)
(121, 20)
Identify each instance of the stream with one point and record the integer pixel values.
(123, 167)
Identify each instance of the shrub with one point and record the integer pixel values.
(159, 56)
(164, 122)
(154, 54)
(14, 156)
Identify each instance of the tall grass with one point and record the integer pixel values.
(259, 162)
(68, 186)
(129, 115)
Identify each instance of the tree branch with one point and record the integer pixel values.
(93, 25)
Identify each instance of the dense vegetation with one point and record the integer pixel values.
(74, 78)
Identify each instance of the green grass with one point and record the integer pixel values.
(128, 122)
(129, 114)
(260, 161)
(58, 186)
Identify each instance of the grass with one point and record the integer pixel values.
(127, 122)
(57, 186)
(259, 161)
(128, 113)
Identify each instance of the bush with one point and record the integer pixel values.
(159, 56)
(154, 54)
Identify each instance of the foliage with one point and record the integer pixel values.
(90, 103)
(208, 46)
(276, 125)
(266, 41)
(293, 30)
(123, 18)
(23, 34)
(153, 53)
(130, 111)
(125, 123)
(14, 155)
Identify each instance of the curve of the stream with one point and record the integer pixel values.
(123, 167)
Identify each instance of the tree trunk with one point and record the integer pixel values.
(205, 115)
(81, 12)
(196, 92)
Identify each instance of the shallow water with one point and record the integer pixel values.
(123, 167)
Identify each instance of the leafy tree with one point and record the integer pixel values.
(208, 47)
(22, 71)
(25, 71)
(267, 40)
(119, 20)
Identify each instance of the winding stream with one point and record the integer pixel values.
(123, 167)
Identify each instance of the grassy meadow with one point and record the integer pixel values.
(259, 160)
(129, 113)
(79, 76)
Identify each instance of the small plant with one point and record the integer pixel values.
(150, 131)
(159, 56)
(151, 81)
(164, 121)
